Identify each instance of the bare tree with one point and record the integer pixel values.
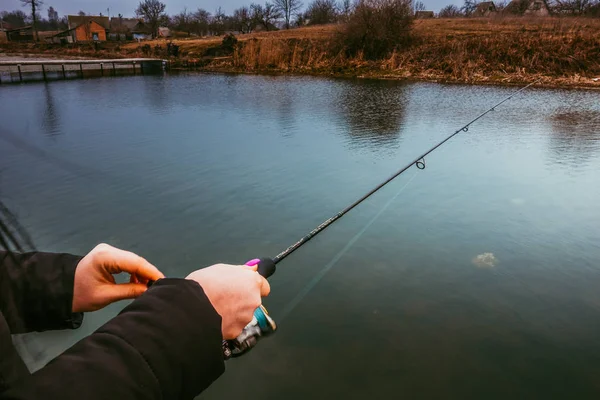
(16, 18)
(217, 22)
(321, 12)
(183, 21)
(469, 7)
(53, 17)
(450, 11)
(577, 7)
(345, 9)
(153, 12)
(419, 6)
(242, 18)
(35, 6)
(287, 8)
(266, 16)
(201, 21)
(81, 13)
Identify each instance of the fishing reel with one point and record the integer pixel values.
(261, 325)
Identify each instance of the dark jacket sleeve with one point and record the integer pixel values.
(36, 291)
(164, 345)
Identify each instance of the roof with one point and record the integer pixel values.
(521, 6)
(484, 7)
(123, 24)
(75, 20)
(23, 28)
(424, 14)
(7, 26)
(486, 4)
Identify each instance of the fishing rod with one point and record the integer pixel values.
(262, 324)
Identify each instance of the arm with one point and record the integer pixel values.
(36, 291)
(164, 345)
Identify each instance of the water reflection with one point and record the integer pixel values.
(51, 119)
(372, 112)
(575, 136)
(156, 95)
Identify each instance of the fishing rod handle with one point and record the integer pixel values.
(266, 266)
(261, 325)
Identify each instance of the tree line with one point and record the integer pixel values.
(590, 8)
(273, 14)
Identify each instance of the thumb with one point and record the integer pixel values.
(124, 291)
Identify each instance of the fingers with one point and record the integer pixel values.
(265, 288)
(112, 293)
(117, 260)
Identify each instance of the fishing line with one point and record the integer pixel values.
(317, 278)
(419, 162)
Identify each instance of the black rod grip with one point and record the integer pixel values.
(266, 267)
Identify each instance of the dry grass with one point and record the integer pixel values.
(560, 51)
(563, 51)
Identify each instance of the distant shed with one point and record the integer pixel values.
(536, 8)
(23, 34)
(424, 14)
(485, 9)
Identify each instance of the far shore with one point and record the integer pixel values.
(554, 52)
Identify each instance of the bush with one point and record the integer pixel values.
(229, 42)
(378, 27)
(321, 12)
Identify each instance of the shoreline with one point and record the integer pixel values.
(369, 74)
(546, 82)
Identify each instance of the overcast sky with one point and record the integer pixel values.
(127, 7)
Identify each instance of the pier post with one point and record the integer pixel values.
(114, 70)
(142, 67)
(44, 72)
(133, 63)
(102, 69)
(64, 73)
(81, 69)
(20, 74)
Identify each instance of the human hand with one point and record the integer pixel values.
(95, 285)
(234, 291)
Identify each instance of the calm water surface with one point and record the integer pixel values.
(190, 170)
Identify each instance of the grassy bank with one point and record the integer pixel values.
(559, 51)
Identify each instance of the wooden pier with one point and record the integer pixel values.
(30, 70)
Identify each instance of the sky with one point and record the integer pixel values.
(127, 7)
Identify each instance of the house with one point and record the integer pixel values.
(535, 8)
(74, 21)
(141, 31)
(125, 28)
(538, 8)
(87, 31)
(484, 9)
(424, 14)
(22, 34)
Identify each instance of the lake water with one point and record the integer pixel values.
(479, 278)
